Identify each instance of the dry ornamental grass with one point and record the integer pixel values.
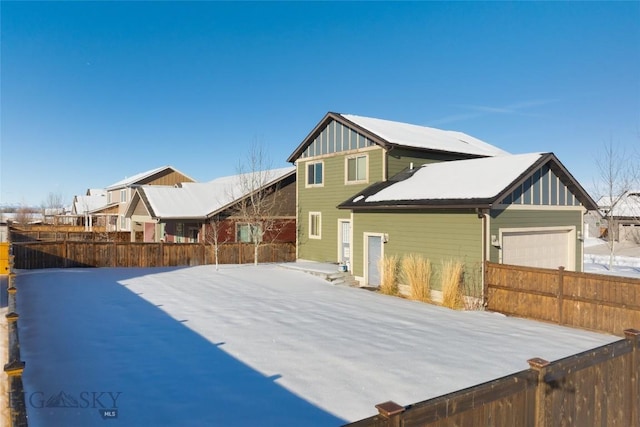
(389, 280)
(452, 294)
(416, 273)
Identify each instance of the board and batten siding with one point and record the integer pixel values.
(325, 198)
(513, 218)
(437, 235)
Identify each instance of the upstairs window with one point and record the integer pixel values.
(315, 175)
(357, 169)
(123, 196)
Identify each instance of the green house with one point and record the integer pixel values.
(369, 188)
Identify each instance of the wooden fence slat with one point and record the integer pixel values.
(130, 254)
(585, 300)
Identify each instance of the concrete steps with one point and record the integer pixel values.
(326, 271)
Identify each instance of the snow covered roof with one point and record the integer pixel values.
(96, 192)
(88, 203)
(203, 199)
(628, 205)
(409, 135)
(472, 182)
(127, 182)
(388, 133)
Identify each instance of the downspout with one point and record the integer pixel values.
(297, 227)
(483, 214)
(385, 163)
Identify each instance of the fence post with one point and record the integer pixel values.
(632, 336)
(540, 366)
(560, 298)
(390, 411)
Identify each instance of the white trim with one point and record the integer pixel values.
(515, 207)
(306, 174)
(319, 235)
(351, 152)
(339, 258)
(366, 168)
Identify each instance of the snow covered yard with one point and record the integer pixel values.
(247, 346)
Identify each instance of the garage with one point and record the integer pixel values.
(540, 248)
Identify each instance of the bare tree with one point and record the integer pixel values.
(257, 209)
(216, 235)
(618, 173)
(24, 215)
(52, 206)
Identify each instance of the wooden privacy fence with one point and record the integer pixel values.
(128, 254)
(55, 235)
(14, 366)
(590, 301)
(599, 387)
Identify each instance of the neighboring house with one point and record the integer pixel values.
(370, 188)
(119, 194)
(94, 199)
(187, 212)
(622, 215)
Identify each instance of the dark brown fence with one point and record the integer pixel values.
(127, 254)
(591, 301)
(55, 235)
(599, 387)
(14, 366)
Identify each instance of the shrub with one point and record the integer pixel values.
(452, 274)
(473, 291)
(389, 280)
(416, 273)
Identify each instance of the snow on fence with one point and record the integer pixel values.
(129, 254)
(591, 301)
(594, 388)
(14, 366)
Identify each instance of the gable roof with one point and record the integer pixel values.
(89, 202)
(625, 206)
(200, 200)
(388, 134)
(479, 182)
(137, 178)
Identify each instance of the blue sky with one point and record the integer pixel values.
(93, 92)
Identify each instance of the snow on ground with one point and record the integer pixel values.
(597, 256)
(4, 346)
(248, 346)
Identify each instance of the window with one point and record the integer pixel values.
(314, 174)
(357, 169)
(109, 197)
(123, 195)
(315, 225)
(248, 233)
(123, 222)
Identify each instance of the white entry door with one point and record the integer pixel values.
(374, 254)
(344, 242)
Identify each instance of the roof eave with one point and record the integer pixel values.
(420, 204)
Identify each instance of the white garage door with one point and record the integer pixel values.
(544, 249)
